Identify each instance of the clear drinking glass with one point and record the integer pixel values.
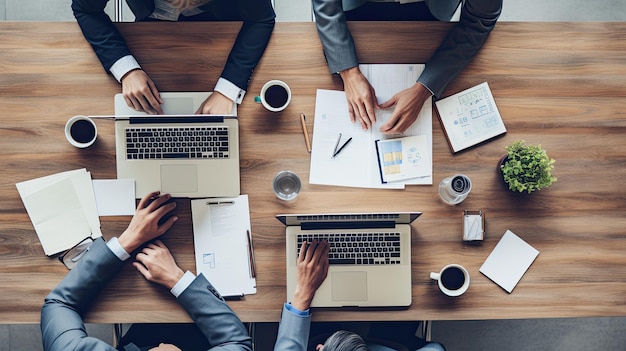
(286, 185)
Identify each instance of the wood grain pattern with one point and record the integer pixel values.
(561, 85)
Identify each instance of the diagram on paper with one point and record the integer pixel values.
(209, 260)
(403, 158)
(470, 117)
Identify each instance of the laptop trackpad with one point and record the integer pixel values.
(179, 179)
(349, 286)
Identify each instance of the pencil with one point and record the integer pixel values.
(305, 132)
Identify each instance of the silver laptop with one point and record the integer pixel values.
(370, 257)
(180, 153)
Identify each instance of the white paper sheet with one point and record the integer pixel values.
(508, 261)
(57, 216)
(222, 246)
(38, 198)
(357, 164)
(115, 197)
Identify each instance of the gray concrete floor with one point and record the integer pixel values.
(511, 335)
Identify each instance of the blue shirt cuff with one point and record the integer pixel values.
(230, 90)
(123, 66)
(183, 283)
(296, 311)
(118, 250)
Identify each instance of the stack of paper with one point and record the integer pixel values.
(357, 165)
(62, 208)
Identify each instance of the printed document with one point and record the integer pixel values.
(357, 164)
(223, 244)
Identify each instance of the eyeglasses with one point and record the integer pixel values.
(71, 257)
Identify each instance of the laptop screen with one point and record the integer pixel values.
(335, 220)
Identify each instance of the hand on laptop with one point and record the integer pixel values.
(145, 223)
(216, 104)
(140, 92)
(312, 270)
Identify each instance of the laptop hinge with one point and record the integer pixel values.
(347, 225)
(186, 119)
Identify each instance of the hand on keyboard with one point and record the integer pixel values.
(312, 271)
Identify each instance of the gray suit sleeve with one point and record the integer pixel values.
(478, 18)
(216, 320)
(62, 326)
(293, 332)
(333, 31)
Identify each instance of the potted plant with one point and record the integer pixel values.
(526, 167)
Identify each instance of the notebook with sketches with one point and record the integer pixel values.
(470, 117)
(223, 244)
(183, 154)
(508, 261)
(370, 257)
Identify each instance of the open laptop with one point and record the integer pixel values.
(180, 153)
(370, 258)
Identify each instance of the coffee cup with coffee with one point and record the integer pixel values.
(275, 95)
(453, 279)
(81, 131)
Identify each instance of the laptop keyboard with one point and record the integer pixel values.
(358, 248)
(177, 142)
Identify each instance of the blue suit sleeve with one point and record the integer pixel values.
(213, 316)
(293, 331)
(99, 31)
(62, 325)
(254, 35)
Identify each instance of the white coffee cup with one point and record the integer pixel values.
(81, 131)
(275, 95)
(453, 279)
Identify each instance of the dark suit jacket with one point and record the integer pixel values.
(478, 18)
(258, 23)
(62, 326)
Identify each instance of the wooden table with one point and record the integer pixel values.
(561, 85)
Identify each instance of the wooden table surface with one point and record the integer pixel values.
(561, 85)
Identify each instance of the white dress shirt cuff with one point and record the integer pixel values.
(183, 284)
(230, 90)
(123, 66)
(118, 250)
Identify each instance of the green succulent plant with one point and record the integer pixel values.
(527, 167)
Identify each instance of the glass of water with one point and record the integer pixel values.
(286, 185)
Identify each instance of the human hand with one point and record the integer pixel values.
(156, 263)
(140, 93)
(216, 104)
(408, 103)
(361, 97)
(145, 224)
(312, 269)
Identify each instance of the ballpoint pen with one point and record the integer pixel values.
(336, 145)
(342, 147)
(251, 255)
(305, 131)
